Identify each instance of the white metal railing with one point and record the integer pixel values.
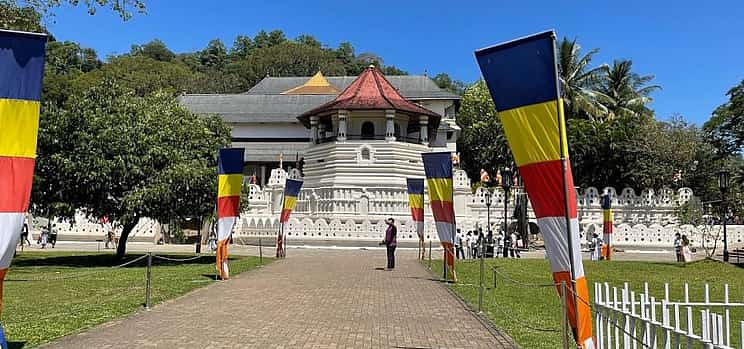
(651, 323)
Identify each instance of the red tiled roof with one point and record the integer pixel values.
(370, 91)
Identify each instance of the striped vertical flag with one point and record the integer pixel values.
(607, 227)
(416, 203)
(522, 78)
(291, 192)
(21, 74)
(230, 182)
(438, 169)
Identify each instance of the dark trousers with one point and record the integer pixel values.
(460, 253)
(391, 257)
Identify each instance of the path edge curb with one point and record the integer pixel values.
(490, 326)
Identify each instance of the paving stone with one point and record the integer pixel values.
(313, 299)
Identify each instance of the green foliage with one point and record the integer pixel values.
(443, 80)
(482, 143)
(23, 18)
(154, 49)
(123, 8)
(81, 290)
(113, 153)
(140, 73)
(725, 129)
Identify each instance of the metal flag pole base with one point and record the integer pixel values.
(149, 283)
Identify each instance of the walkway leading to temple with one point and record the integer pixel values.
(313, 299)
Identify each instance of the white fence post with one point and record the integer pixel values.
(640, 325)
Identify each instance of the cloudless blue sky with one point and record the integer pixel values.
(694, 48)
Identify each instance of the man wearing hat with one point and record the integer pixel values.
(391, 241)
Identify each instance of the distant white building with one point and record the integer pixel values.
(264, 120)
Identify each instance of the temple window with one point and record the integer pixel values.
(368, 130)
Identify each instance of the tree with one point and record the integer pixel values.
(482, 143)
(123, 8)
(123, 156)
(579, 81)
(15, 17)
(242, 47)
(308, 40)
(214, 56)
(443, 80)
(266, 40)
(725, 129)
(624, 92)
(142, 74)
(285, 59)
(154, 49)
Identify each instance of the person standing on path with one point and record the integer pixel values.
(390, 242)
(596, 247)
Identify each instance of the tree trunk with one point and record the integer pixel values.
(121, 248)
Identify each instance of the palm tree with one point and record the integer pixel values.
(579, 82)
(626, 93)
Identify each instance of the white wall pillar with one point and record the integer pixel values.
(424, 129)
(390, 125)
(341, 135)
(314, 129)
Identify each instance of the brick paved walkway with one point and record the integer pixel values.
(313, 299)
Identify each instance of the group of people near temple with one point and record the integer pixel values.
(475, 244)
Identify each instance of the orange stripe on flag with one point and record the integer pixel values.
(583, 333)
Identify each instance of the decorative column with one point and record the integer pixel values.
(314, 129)
(322, 132)
(424, 131)
(390, 125)
(341, 135)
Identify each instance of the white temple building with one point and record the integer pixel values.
(359, 139)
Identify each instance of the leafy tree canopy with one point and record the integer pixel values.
(113, 153)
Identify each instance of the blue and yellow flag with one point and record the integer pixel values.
(229, 184)
(438, 169)
(522, 78)
(21, 75)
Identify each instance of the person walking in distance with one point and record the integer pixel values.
(24, 234)
(678, 247)
(459, 252)
(390, 242)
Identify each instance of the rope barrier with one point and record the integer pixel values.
(130, 262)
(178, 259)
(76, 275)
(526, 284)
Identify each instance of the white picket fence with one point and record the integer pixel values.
(626, 319)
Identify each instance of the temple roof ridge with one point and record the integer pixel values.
(371, 91)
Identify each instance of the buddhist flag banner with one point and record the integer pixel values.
(607, 228)
(438, 169)
(21, 74)
(416, 203)
(230, 181)
(291, 192)
(522, 78)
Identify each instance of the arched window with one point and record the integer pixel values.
(368, 130)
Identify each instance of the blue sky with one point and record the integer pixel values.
(695, 49)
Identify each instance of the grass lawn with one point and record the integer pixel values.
(514, 307)
(50, 295)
